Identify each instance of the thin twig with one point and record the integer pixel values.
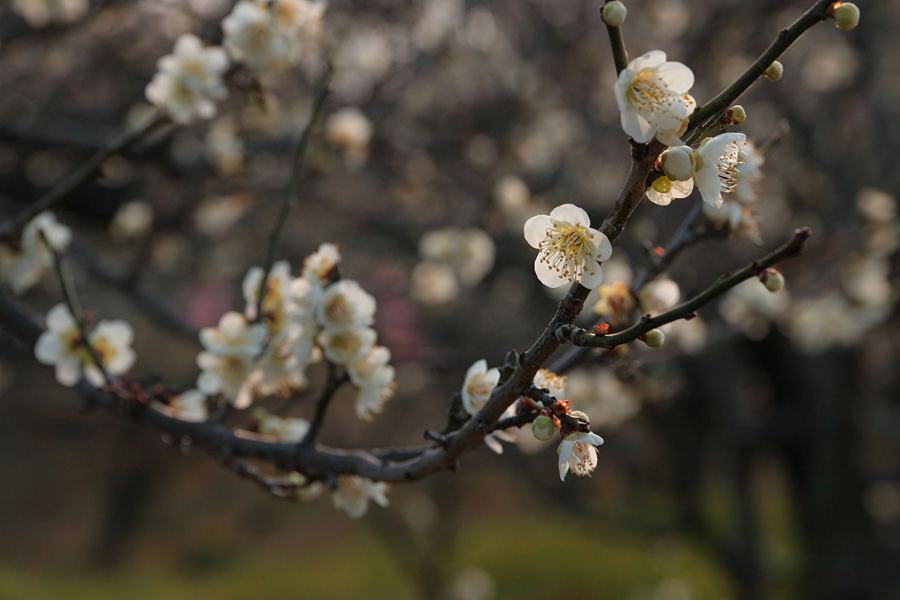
(687, 310)
(712, 109)
(290, 192)
(620, 54)
(335, 381)
(71, 300)
(79, 176)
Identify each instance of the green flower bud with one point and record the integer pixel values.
(775, 71)
(655, 338)
(614, 13)
(662, 185)
(773, 280)
(738, 114)
(542, 428)
(846, 16)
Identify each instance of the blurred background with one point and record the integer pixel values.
(757, 455)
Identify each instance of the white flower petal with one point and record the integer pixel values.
(571, 214)
(536, 229)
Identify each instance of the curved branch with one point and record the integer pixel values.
(579, 337)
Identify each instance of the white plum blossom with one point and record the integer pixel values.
(577, 453)
(353, 493)
(478, 385)
(190, 406)
(189, 80)
(717, 166)
(288, 430)
(24, 265)
(275, 297)
(229, 358)
(751, 161)
(62, 345)
(374, 378)
(269, 36)
(281, 370)
(653, 99)
(345, 304)
(570, 250)
(350, 130)
(346, 346)
(319, 267)
(555, 384)
(663, 190)
(469, 252)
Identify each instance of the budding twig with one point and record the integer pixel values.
(792, 248)
(290, 192)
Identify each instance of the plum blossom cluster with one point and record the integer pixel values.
(271, 35)
(577, 451)
(292, 322)
(25, 262)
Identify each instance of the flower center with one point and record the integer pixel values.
(566, 248)
(649, 92)
(583, 459)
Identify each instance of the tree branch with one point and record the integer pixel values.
(580, 337)
(79, 176)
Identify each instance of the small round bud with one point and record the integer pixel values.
(577, 414)
(655, 338)
(542, 428)
(846, 16)
(677, 163)
(614, 13)
(775, 71)
(662, 185)
(772, 279)
(738, 114)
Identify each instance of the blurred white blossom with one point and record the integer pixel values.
(353, 493)
(62, 345)
(24, 264)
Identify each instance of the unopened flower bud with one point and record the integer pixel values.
(662, 185)
(542, 428)
(738, 114)
(614, 13)
(677, 163)
(846, 16)
(655, 338)
(772, 279)
(775, 71)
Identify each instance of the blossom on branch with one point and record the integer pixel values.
(353, 493)
(570, 250)
(717, 166)
(478, 385)
(653, 98)
(188, 80)
(374, 378)
(269, 36)
(577, 452)
(63, 346)
(230, 358)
